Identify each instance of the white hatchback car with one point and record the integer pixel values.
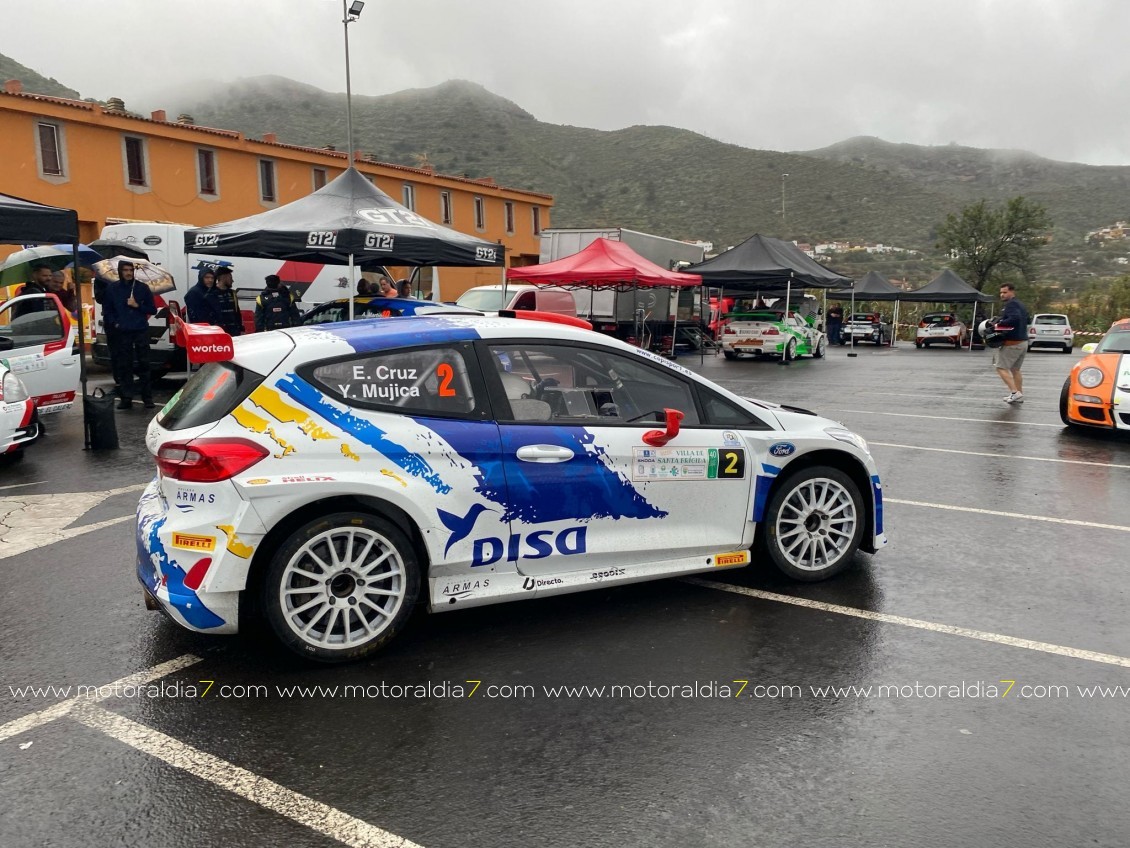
(326, 477)
(1051, 330)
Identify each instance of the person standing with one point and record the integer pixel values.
(198, 300)
(274, 308)
(835, 323)
(127, 307)
(225, 303)
(1008, 358)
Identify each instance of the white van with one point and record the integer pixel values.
(164, 244)
(523, 297)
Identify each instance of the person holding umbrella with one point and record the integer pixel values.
(127, 306)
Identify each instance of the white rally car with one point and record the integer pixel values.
(771, 332)
(19, 423)
(327, 477)
(39, 365)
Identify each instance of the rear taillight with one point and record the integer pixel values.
(208, 460)
(1067, 332)
(922, 324)
(770, 331)
(1031, 331)
(727, 331)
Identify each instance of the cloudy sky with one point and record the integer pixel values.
(1049, 76)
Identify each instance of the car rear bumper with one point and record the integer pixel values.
(168, 576)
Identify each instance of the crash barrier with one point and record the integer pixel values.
(98, 421)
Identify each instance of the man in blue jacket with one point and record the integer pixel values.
(198, 300)
(1008, 358)
(127, 307)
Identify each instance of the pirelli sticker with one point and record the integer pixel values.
(191, 542)
(659, 464)
(732, 558)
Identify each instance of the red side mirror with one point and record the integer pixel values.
(658, 438)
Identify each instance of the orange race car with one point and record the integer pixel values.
(1097, 392)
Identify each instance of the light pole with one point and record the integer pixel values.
(350, 13)
(784, 223)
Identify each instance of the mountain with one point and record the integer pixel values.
(658, 179)
(672, 181)
(33, 82)
(1080, 197)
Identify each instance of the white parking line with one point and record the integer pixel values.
(256, 789)
(885, 618)
(1047, 518)
(21, 485)
(140, 678)
(945, 418)
(1000, 455)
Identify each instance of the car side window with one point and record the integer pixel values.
(413, 381)
(567, 384)
(719, 411)
(31, 321)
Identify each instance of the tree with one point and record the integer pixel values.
(992, 245)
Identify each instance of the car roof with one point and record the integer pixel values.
(318, 341)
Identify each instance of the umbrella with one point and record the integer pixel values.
(157, 278)
(17, 267)
(108, 248)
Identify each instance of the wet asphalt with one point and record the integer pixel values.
(802, 768)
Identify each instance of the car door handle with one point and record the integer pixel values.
(544, 453)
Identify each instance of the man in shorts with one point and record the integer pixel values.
(1008, 358)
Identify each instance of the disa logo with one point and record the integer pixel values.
(536, 545)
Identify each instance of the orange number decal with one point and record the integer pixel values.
(445, 374)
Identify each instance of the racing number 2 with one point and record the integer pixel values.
(445, 373)
(732, 463)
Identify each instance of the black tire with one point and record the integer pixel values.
(918, 345)
(821, 348)
(789, 353)
(729, 354)
(1064, 392)
(780, 547)
(1067, 348)
(354, 585)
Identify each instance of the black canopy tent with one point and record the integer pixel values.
(347, 221)
(27, 222)
(764, 264)
(948, 287)
(873, 286)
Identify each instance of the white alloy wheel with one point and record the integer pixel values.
(813, 523)
(341, 586)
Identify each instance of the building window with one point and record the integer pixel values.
(50, 156)
(135, 161)
(319, 178)
(445, 216)
(480, 214)
(267, 191)
(509, 217)
(408, 193)
(537, 220)
(206, 171)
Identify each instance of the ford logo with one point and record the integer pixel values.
(152, 240)
(782, 449)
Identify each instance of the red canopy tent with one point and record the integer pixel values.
(607, 264)
(602, 264)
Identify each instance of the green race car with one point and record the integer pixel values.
(771, 332)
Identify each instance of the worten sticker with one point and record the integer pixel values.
(670, 464)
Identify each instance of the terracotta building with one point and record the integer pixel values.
(109, 164)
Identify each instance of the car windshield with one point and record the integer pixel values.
(485, 300)
(758, 315)
(943, 318)
(865, 318)
(1058, 320)
(1116, 341)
